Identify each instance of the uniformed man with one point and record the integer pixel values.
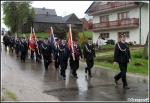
(12, 43)
(23, 49)
(76, 50)
(55, 46)
(89, 56)
(122, 56)
(33, 49)
(37, 49)
(17, 43)
(6, 41)
(46, 53)
(63, 54)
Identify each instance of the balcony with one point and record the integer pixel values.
(110, 6)
(132, 22)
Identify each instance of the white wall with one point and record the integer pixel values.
(113, 34)
(144, 23)
(134, 12)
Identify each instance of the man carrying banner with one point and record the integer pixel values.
(54, 47)
(77, 53)
(89, 56)
(37, 45)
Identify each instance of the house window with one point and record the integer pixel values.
(104, 18)
(104, 35)
(126, 33)
(123, 15)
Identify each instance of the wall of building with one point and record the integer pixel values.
(144, 23)
(113, 34)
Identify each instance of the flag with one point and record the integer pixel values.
(69, 37)
(32, 39)
(70, 43)
(51, 38)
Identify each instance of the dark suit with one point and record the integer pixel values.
(75, 63)
(23, 49)
(12, 44)
(122, 56)
(17, 43)
(89, 55)
(45, 49)
(63, 54)
(54, 47)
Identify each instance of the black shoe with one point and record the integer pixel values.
(76, 76)
(90, 76)
(64, 78)
(115, 80)
(46, 69)
(86, 72)
(126, 87)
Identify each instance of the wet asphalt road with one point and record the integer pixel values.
(99, 88)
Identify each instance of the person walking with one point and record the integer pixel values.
(89, 56)
(122, 56)
(63, 55)
(99, 42)
(46, 49)
(77, 53)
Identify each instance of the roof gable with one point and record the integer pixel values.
(72, 18)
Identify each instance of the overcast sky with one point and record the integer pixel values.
(62, 8)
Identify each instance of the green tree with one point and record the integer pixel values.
(16, 14)
(75, 33)
(59, 32)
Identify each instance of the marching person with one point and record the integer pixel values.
(45, 50)
(122, 56)
(37, 45)
(32, 41)
(89, 56)
(12, 43)
(55, 46)
(77, 54)
(63, 54)
(17, 43)
(6, 41)
(23, 49)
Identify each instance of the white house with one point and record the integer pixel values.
(110, 19)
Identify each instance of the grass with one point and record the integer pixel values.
(11, 95)
(131, 67)
(88, 34)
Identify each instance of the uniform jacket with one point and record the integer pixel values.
(23, 46)
(62, 52)
(89, 52)
(45, 49)
(76, 55)
(122, 53)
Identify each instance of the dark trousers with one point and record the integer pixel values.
(17, 51)
(32, 54)
(38, 56)
(47, 60)
(90, 64)
(74, 65)
(63, 65)
(57, 64)
(122, 74)
(23, 55)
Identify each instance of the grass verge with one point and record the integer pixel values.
(11, 95)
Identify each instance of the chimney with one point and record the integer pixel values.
(47, 14)
(43, 8)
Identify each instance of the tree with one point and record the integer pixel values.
(59, 32)
(75, 33)
(16, 14)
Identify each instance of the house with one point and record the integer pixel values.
(44, 19)
(110, 19)
(73, 20)
(85, 25)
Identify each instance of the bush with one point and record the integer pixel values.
(83, 43)
(81, 39)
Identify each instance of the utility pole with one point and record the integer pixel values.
(145, 47)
